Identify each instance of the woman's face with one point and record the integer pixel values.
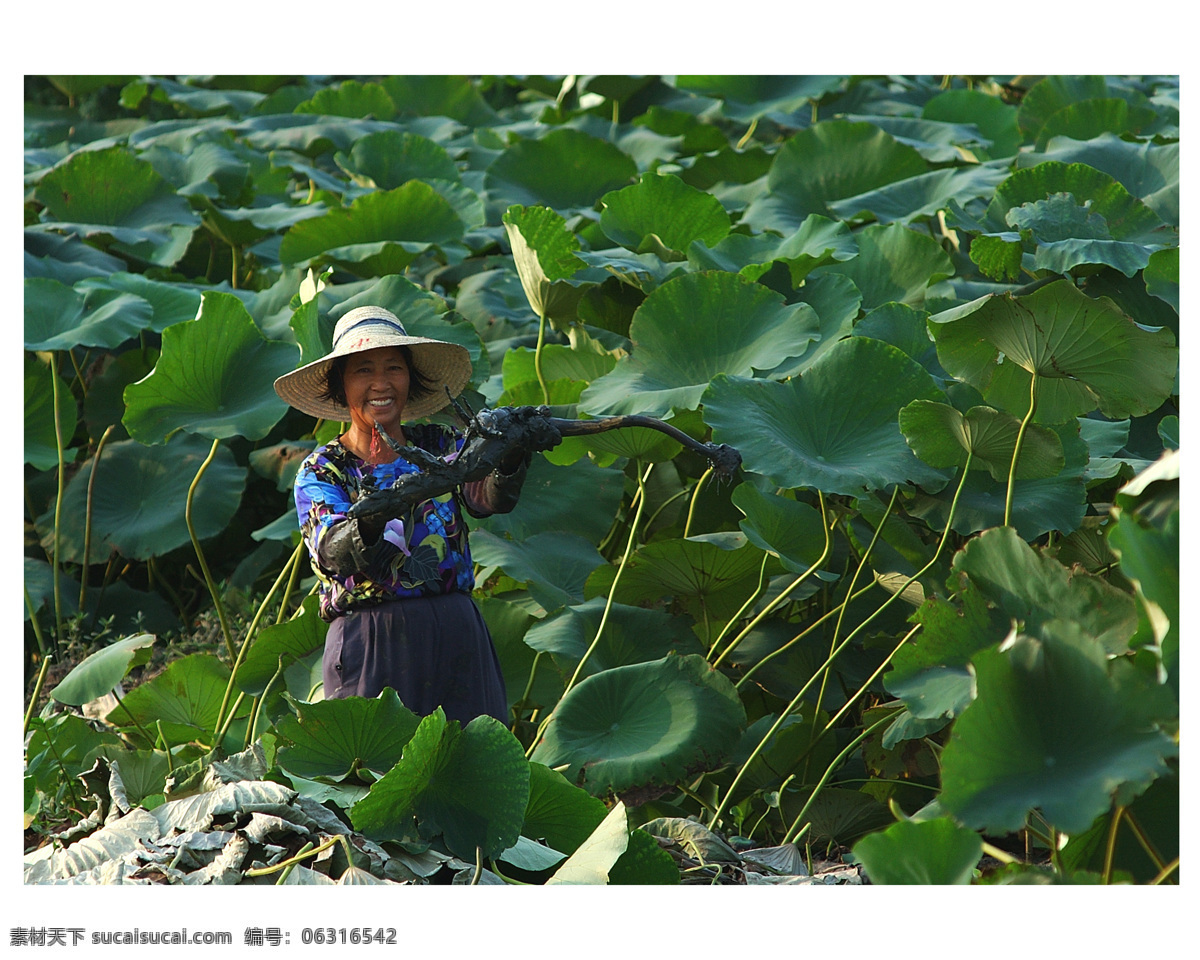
(376, 384)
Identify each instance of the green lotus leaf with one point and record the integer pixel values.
(413, 213)
(554, 565)
(98, 673)
(242, 226)
(280, 645)
(66, 259)
(749, 96)
(894, 264)
(185, 699)
(104, 404)
(142, 775)
(837, 302)
(59, 318)
(630, 635)
(170, 303)
(711, 574)
(1162, 276)
(1054, 726)
(215, 378)
(788, 529)
(470, 784)
(938, 141)
(350, 98)
(661, 212)
(829, 161)
(559, 362)
(822, 430)
(932, 675)
(565, 816)
(643, 725)
(1087, 119)
(41, 444)
(390, 158)
(936, 851)
(111, 192)
(332, 738)
(1051, 94)
(1148, 170)
(544, 253)
(139, 497)
(507, 622)
(76, 745)
(440, 96)
(996, 120)
(1034, 590)
(943, 437)
(580, 497)
(1050, 503)
(281, 462)
(1085, 353)
(596, 856)
(999, 256)
(733, 326)
(816, 242)
(923, 195)
(904, 327)
(564, 169)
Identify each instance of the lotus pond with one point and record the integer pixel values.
(929, 633)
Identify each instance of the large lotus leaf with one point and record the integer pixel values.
(662, 214)
(185, 699)
(565, 816)
(104, 404)
(643, 725)
(215, 378)
(470, 784)
(1091, 118)
(1051, 94)
(41, 444)
(544, 250)
(711, 574)
(923, 195)
(943, 437)
(332, 738)
(1034, 590)
(440, 95)
(112, 192)
(139, 497)
(597, 855)
(1050, 503)
(1085, 353)
(350, 98)
(304, 134)
(1162, 276)
(242, 226)
(1054, 726)
(733, 326)
(994, 118)
(390, 158)
(559, 362)
(938, 141)
(932, 674)
(98, 673)
(170, 302)
(413, 214)
(788, 529)
(747, 96)
(554, 565)
(817, 241)
(1148, 170)
(830, 160)
(580, 497)
(904, 327)
(59, 318)
(66, 259)
(894, 263)
(564, 169)
(936, 851)
(630, 635)
(837, 302)
(823, 429)
(279, 645)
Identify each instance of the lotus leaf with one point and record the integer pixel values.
(544, 254)
(564, 169)
(554, 565)
(280, 645)
(595, 857)
(98, 673)
(59, 318)
(184, 699)
(662, 213)
(390, 158)
(932, 851)
(894, 264)
(41, 443)
(790, 530)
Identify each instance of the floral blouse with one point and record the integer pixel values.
(423, 552)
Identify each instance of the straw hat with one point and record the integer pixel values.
(365, 328)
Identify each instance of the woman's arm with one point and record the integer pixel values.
(499, 491)
(342, 547)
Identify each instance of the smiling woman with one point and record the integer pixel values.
(396, 589)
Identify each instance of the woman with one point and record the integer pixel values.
(396, 590)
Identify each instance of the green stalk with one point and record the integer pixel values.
(787, 711)
(58, 498)
(142, 730)
(774, 604)
(537, 358)
(793, 832)
(1144, 840)
(87, 520)
(208, 580)
(33, 620)
(37, 692)
(695, 496)
(1012, 470)
(1110, 848)
(762, 572)
(1165, 872)
(528, 688)
(295, 575)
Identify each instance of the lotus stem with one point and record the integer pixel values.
(37, 692)
(292, 577)
(762, 572)
(1002, 855)
(134, 720)
(537, 358)
(87, 521)
(308, 850)
(525, 694)
(792, 833)
(478, 866)
(770, 607)
(58, 497)
(1165, 872)
(1110, 847)
(208, 580)
(1144, 840)
(748, 134)
(687, 527)
(1012, 470)
(33, 621)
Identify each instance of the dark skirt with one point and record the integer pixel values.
(433, 651)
